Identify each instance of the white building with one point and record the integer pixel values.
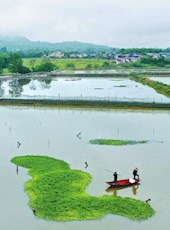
(57, 54)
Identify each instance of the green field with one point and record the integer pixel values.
(88, 64)
(57, 193)
(93, 63)
(78, 63)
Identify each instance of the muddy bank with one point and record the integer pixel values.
(86, 103)
(82, 74)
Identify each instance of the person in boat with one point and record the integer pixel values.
(135, 173)
(115, 177)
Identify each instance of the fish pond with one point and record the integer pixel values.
(65, 134)
(115, 88)
(165, 80)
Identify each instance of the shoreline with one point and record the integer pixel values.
(103, 104)
(88, 74)
(80, 103)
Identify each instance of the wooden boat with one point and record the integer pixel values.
(123, 183)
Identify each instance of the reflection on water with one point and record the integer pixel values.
(45, 83)
(2, 91)
(15, 87)
(17, 169)
(53, 132)
(134, 189)
(115, 190)
(91, 88)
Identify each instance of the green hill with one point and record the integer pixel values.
(19, 43)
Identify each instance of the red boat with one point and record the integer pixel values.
(123, 183)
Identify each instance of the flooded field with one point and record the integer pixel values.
(116, 88)
(165, 80)
(53, 132)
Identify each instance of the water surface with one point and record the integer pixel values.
(115, 88)
(165, 80)
(53, 132)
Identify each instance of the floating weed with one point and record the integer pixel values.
(58, 193)
(115, 142)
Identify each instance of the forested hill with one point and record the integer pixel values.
(19, 43)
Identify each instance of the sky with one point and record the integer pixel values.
(115, 23)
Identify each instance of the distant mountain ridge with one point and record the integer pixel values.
(18, 43)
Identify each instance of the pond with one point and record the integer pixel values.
(88, 88)
(53, 132)
(165, 80)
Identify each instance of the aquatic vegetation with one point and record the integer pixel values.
(120, 86)
(57, 192)
(115, 142)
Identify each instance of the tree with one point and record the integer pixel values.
(16, 64)
(70, 65)
(161, 62)
(96, 66)
(4, 60)
(1, 65)
(106, 64)
(46, 66)
(89, 66)
(32, 64)
(3, 50)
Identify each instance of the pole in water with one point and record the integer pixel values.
(79, 135)
(18, 144)
(17, 169)
(48, 143)
(86, 165)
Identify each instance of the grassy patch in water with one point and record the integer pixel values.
(57, 192)
(115, 142)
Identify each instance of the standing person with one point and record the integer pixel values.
(135, 173)
(115, 177)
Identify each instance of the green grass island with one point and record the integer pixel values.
(115, 142)
(57, 193)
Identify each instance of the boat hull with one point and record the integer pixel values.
(123, 183)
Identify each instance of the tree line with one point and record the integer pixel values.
(14, 63)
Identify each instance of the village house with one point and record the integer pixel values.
(126, 58)
(78, 55)
(165, 55)
(57, 54)
(154, 55)
(158, 55)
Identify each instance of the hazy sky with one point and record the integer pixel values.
(117, 23)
